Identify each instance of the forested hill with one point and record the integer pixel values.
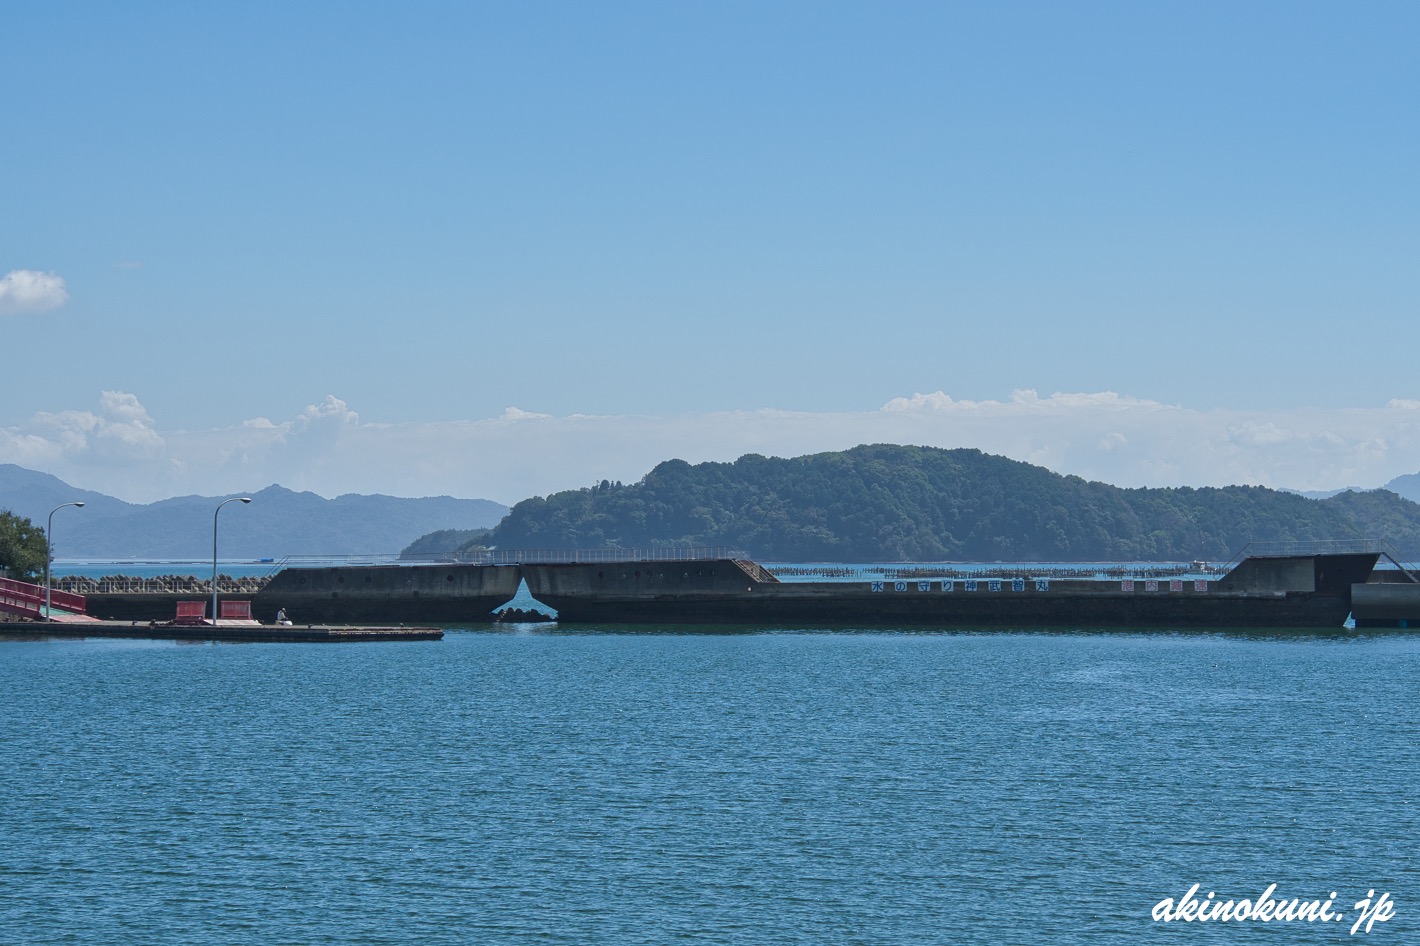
(894, 503)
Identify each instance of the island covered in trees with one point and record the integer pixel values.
(887, 503)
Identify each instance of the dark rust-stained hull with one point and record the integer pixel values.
(1295, 591)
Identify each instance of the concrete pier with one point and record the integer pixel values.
(246, 633)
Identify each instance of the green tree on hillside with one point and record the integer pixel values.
(22, 547)
(883, 502)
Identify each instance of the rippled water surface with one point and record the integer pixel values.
(704, 788)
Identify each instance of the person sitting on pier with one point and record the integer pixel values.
(281, 617)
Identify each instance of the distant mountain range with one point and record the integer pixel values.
(1407, 487)
(278, 522)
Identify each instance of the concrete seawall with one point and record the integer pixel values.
(236, 633)
(374, 594)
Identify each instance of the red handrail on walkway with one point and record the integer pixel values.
(19, 597)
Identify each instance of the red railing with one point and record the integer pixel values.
(236, 610)
(22, 598)
(191, 612)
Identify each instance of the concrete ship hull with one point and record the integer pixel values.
(1295, 591)
(1386, 604)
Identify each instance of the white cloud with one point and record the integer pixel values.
(1114, 441)
(1261, 435)
(330, 413)
(327, 448)
(514, 414)
(28, 290)
(120, 433)
(1022, 400)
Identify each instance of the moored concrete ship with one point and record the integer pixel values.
(423, 594)
(1264, 589)
(1390, 599)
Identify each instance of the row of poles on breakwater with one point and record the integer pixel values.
(249, 585)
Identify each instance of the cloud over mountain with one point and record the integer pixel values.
(330, 448)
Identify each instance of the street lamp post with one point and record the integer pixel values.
(234, 499)
(48, 552)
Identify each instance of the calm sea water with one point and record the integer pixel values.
(653, 788)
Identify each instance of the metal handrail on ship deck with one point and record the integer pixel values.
(1287, 549)
(521, 557)
(594, 556)
(757, 571)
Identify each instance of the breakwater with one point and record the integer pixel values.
(366, 594)
(186, 585)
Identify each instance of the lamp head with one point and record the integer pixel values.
(246, 499)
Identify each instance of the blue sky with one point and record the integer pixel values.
(662, 221)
